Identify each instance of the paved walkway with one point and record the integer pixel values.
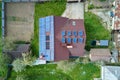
(74, 11)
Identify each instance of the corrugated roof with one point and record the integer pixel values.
(110, 72)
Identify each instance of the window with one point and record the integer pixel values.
(47, 45)
(47, 37)
(80, 33)
(63, 40)
(68, 40)
(63, 33)
(75, 33)
(73, 23)
(69, 33)
(80, 40)
(74, 40)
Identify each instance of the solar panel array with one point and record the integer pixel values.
(46, 25)
(70, 39)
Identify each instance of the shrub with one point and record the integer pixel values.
(91, 6)
(65, 66)
(8, 44)
(21, 77)
(4, 60)
(28, 59)
(18, 65)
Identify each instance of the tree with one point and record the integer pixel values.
(18, 65)
(4, 60)
(8, 44)
(28, 58)
(66, 66)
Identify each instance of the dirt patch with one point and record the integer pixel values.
(20, 21)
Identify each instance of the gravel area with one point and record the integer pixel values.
(74, 11)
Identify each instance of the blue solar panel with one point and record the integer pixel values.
(74, 40)
(80, 33)
(63, 33)
(75, 33)
(69, 33)
(69, 40)
(63, 40)
(46, 25)
(80, 40)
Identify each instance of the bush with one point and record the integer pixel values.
(28, 59)
(91, 6)
(4, 60)
(21, 77)
(65, 66)
(8, 44)
(18, 65)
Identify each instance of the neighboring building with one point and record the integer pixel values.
(110, 73)
(61, 38)
(114, 56)
(17, 53)
(100, 54)
(116, 19)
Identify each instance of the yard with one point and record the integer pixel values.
(41, 72)
(81, 71)
(87, 71)
(94, 29)
(42, 10)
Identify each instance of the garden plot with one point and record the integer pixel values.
(19, 21)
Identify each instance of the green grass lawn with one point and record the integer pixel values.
(41, 72)
(42, 10)
(82, 71)
(87, 71)
(94, 29)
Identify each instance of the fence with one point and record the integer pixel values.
(25, 0)
(3, 19)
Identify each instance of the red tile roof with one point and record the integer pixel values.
(117, 13)
(100, 54)
(61, 50)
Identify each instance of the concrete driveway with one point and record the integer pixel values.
(74, 11)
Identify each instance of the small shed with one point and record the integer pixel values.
(100, 54)
(103, 42)
(17, 53)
